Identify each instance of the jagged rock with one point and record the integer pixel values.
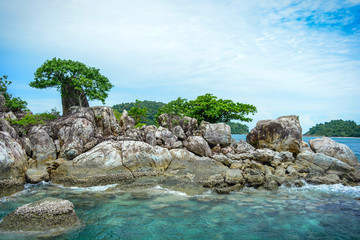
(13, 164)
(216, 133)
(43, 146)
(243, 147)
(265, 156)
(3, 108)
(126, 122)
(281, 134)
(149, 133)
(187, 167)
(189, 125)
(113, 162)
(134, 134)
(45, 215)
(331, 148)
(36, 174)
(6, 127)
(84, 125)
(318, 160)
(223, 159)
(198, 145)
(179, 132)
(323, 179)
(166, 136)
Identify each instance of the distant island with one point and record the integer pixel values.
(152, 109)
(335, 128)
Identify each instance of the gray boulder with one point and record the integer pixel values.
(331, 148)
(43, 146)
(166, 136)
(216, 133)
(13, 165)
(198, 145)
(113, 162)
(281, 134)
(48, 214)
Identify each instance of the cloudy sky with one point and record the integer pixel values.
(285, 57)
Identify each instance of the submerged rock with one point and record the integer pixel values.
(281, 134)
(331, 148)
(44, 215)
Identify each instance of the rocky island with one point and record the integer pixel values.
(89, 146)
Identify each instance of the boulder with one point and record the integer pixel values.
(331, 148)
(48, 214)
(216, 133)
(166, 136)
(43, 146)
(149, 135)
(83, 129)
(281, 134)
(126, 122)
(187, 167)
(198, 145)
(113, 162)
(243, 147)
(13, 165)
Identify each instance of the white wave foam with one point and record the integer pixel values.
(89, 189)
(335, 189)
(169, 191)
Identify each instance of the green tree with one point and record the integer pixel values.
(138, 113)
(13, 103)
(208, 108)
(151, 106)
(76, 82)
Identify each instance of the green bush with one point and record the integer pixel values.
(36, 119)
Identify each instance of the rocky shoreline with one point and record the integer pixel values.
(89, 146)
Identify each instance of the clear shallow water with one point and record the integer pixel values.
(353, 143)
(311, 212)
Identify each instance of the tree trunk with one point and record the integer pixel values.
(71, 97)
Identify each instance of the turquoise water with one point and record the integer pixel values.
(310, 212)
(353, 143)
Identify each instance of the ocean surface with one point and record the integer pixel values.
(310, 212)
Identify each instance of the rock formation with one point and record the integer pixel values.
(331, 148)
(89, 146)
(281, 134)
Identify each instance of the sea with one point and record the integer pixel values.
(159, 212)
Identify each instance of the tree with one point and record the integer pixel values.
(76, 82)
(12, 103)
(208, 108)
(138, 113)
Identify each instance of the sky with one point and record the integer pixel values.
(285, 57)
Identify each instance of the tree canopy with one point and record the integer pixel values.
(335, 128)
(76, 82)
(151, 107)
(12, 103)
(209, 108)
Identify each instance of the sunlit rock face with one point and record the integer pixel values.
(281, 134)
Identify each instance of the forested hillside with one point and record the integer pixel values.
(152, 109)
(335, 128)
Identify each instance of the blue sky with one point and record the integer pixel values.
(285, 57)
